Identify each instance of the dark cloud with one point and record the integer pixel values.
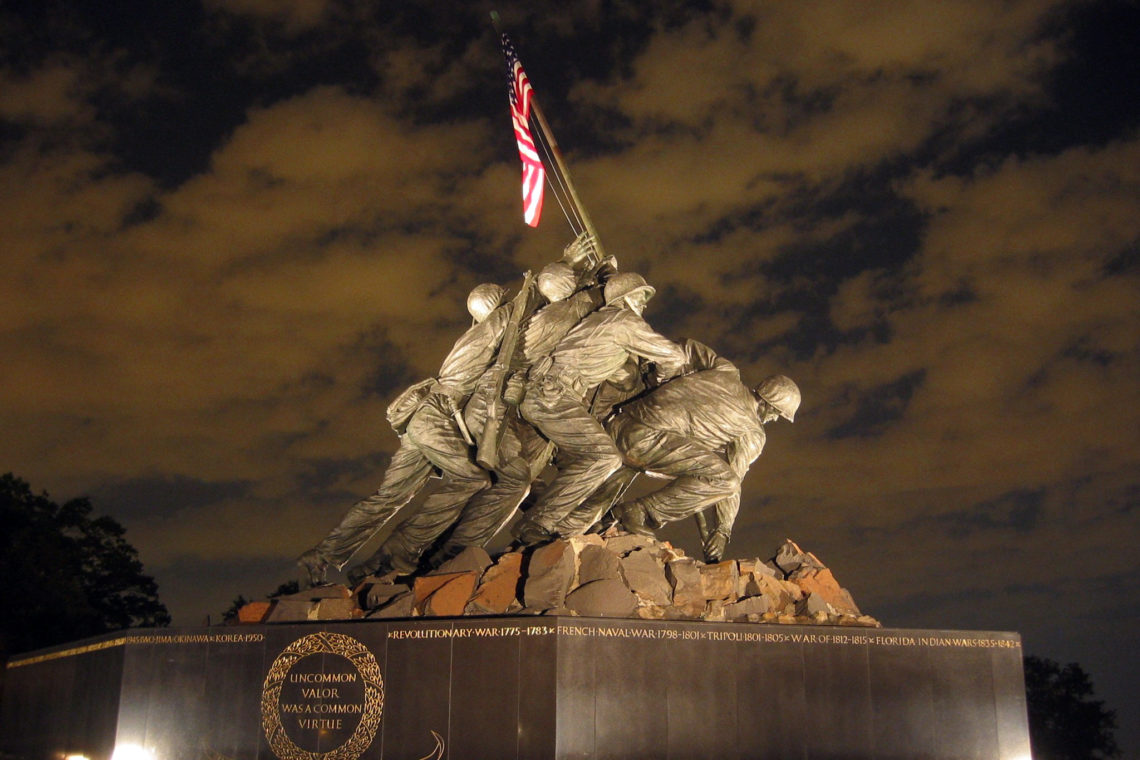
(328, 477)
(138, 498)
(1127, 261)
(1019, 511)
(391, 371)
(877, 408)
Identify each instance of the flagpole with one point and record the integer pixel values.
(548, 135)
(544, 127)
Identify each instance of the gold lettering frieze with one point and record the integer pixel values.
(350, 699)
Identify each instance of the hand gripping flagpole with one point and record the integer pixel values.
(560, 165)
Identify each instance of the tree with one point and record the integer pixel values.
(65, 574)
(1065, 723)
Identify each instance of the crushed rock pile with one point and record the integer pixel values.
(611, 575)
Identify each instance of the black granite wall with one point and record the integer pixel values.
(534, 687)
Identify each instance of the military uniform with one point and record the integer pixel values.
(522, 455)
(702, 430)
(557, 403)
(431, 441)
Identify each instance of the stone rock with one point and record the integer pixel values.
(254, 612)
(751, 571)
(327, 591)
(624, 544)
(608, 574)
(651, 612)
(597, 563)
(688, 611)
(426, 585)
(337, 609)
(685, 577)
(796, 592)
(388, 578)
(291, 611)
(451, 598)
(747, 585)
(753, 605)
(578, 543)
(399, 606)
(473, 559)
(608, 597)
(781, 595)
(498, 590)
(671, 553)
(719, 581)
(645, 575)
(749, 566)
(821, 583)
(790, 557)
(845, 604)
(550, 574)
(376, 595)
(813, 604)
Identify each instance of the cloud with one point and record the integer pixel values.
(45, 96)
(292, 16)
(320, 223)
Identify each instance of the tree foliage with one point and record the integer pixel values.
(1065, 723)
(65, 574)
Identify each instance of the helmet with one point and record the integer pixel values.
(782, 394)
(624, 284)
(557, 281)
(484, 299)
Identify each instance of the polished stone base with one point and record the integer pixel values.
(520, 687)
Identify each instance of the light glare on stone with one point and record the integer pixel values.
(132, 752)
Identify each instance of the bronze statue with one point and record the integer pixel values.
(521, 454)
(703, 431)
(536, 376)
(433, 437)
(559, 387)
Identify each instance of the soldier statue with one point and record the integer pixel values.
(560, 385)
(539, 375)
(432, 437)
(702, 431)
(521, 454)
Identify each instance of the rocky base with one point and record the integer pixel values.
(609, 575)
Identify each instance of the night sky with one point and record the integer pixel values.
(232, 231)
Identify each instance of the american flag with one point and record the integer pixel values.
(533, 175)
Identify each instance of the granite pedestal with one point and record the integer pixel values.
(519, 687)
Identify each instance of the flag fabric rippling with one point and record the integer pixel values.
(533, 173)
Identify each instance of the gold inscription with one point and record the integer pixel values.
(785, 637)
(314, 713)
(200, 638)
(745, 634)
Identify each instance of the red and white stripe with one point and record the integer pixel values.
(533, 173)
